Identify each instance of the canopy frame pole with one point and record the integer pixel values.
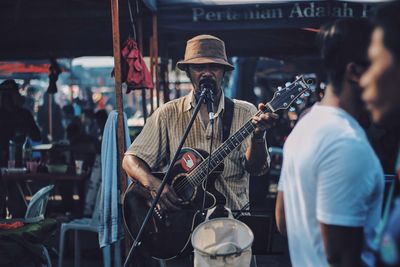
(151, 52)
(140, 44)
(155, 56)
(119, 104)
(50, 133)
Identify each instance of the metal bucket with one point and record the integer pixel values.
(224, 242)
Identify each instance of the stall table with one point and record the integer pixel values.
(24, 178)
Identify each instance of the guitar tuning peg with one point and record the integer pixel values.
(279, 88)
(292, 109)
(299, 101)
(287, 84)
(297, 77)
(306, 93)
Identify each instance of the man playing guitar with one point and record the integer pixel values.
(205, 58)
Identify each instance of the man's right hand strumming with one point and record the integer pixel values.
(138, 170)
(168, 200)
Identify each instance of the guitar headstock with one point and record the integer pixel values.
(283, 98)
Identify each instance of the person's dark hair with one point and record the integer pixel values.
(10, 97)
(387, 17)
(342, 42)
(74, 129)
(101, 119)
(88, 113)
(9, 85)
(68, 110)
(31, 90)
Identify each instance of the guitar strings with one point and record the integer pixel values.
(197, 174)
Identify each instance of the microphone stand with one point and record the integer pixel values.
(137, 241)
(210, 105)
(210, 108)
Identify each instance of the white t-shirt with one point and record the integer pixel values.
(330, 174)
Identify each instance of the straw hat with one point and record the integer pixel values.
(204, 49)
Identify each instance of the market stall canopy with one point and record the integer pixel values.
(62, 28)
(26, 69)
(26, 66)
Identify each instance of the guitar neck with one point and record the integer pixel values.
(197, 176)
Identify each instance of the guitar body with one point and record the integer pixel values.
(167, 234)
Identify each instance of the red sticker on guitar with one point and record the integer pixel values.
(188, 161)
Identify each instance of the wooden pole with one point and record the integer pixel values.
(50, 133)
(164, 79)
(118, 89)
(151, 52)
(119, 104)
(155, 55)
(140, 44)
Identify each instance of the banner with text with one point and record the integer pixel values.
(297, 14)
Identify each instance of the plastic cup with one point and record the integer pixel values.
(78, 167)
(11, 164)
(32, 166)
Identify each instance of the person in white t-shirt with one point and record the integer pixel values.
(331, 185)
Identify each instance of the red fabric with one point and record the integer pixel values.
(134, 70)
(13, 225)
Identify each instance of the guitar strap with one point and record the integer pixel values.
(227, 118)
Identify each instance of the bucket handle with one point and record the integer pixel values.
(211, 211)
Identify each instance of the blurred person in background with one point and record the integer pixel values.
(30, 99)
(88, 122)
(101, 119)
(381, 93)
(56, 120)
(16, 124)
(129, 112)
(83, 147)
(68, 115)
(87, 99)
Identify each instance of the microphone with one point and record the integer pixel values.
(209, 86)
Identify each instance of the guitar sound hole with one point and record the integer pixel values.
(183, 189)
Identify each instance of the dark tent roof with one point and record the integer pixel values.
(71, 28)
(62, 28)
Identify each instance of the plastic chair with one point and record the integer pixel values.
(37, 206)
(87, 224)
(35, 212)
